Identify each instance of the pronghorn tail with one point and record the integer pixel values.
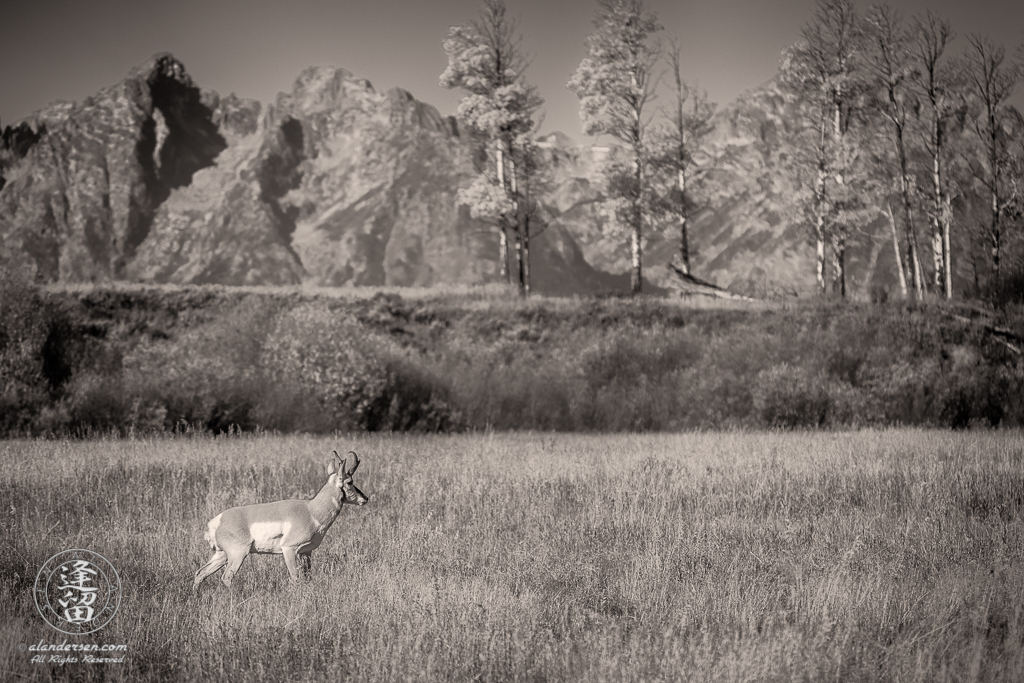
(211, 533)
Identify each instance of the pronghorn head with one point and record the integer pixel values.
(339, 473)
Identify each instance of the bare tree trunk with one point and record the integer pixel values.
(684, 243)
(636, 279)
(896, 252)
(908, 216)
(502, 236)
(937, 260)
(514, 192)
(819, 231)
(519, 265)
(819, 212)
(996, 236)
(839, 274)
(947, 257)
(916, 278)
(842, 271)
(938, 224)
(820, 259)
(503, 254)
(525, 263)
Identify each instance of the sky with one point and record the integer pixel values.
(69, 49)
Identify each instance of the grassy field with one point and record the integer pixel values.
(872, 555)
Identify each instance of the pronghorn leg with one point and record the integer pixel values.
(235, 559)
(307, 564)
(219, 559)
(289, 559)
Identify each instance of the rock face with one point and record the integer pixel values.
(82, 197)
(334, 183)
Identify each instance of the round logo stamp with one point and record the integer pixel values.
(77, 592)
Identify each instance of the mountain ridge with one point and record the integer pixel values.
(154, 179)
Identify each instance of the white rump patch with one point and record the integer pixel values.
(211, 532)
(268, 537)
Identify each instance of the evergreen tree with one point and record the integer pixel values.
(485, 60)
(615, 83)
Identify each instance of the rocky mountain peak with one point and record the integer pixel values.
(82, 198)
(325, 88)
(154, 179)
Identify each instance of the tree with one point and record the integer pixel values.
(889, 60)
(485, 60)
(882, 181)
(928, 41)
(988, 80)
(615, 83)
(534, 180)
(675, 148)
(823, 66)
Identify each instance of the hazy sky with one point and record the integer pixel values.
(69, 49)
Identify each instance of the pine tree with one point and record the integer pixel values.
(615, 83)
(485, 60)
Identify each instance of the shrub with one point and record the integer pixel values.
(93, 403)
(37, 352)
(206, 377)
(789, 397)
(973, 392)
(632, 377)
(358, 379)
(219, 358)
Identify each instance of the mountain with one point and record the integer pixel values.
(157, 180)
(334, 183)
(81, 189)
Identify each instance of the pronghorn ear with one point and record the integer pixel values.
(332, 464)
(349, 465)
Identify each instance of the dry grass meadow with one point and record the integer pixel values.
(864, 556)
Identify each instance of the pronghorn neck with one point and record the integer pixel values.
(326, 504)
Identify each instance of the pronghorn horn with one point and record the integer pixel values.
(350, 466)
(336, 462)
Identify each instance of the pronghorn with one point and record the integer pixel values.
(293, 528)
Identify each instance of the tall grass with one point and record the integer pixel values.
(875, 555)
